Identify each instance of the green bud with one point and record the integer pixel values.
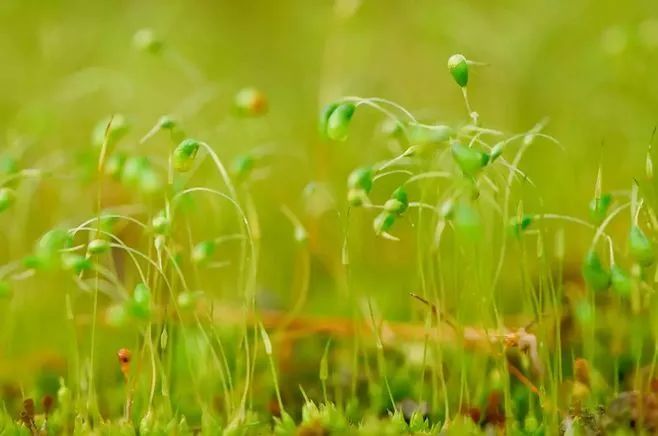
(621, 281)
(7, 198)
(140, 304)
(357, 197)
(203, 251)
(458, 67)
(640, 246)
(339, 121)
(598, 208)
(114, 165)
(250, 102)
(98, 246)
(5, 290)
(469, 160)
(75, 262)
(242, 165)
(161, 223)
(114, 128)
(323, 120)
(146, 40)
(595, 275)
(383, 222)
(519, 224)
(184, 154)
(361, 178)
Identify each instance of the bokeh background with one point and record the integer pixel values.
(589, 66)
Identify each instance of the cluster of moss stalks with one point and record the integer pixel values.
(454, 184)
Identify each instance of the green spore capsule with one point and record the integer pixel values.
(242, 165)
(584, 312)
(383, 222)
(140, 303)
(361, 178)
(33, 261)
(98, 246)
(116, 315)
(339, 121)
(113, 128)
(150, 181)
(184, 155)
(447, 209)
(458, 67)
(596, 276)
(323, 118)
(598, 208)
(75, 262)
(530, 424)
(640, 247)
(187, 300)
(107, 222)
(393, 206)
(496, 151)
(356, 197)
(5, 290)
(161, 223)
(519, 224)
(621, 281)
(53, 241)
(203, 251)
(467, 221)
(146, 40)
(7, 198)
(469, 160)
(166, 122)
(8, 165)
(300, 235)
(399, 201)
(133, 169)
(114, 165)
(250, 102)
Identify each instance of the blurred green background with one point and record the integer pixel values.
(589, 66)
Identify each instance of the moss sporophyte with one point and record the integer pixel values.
(180, 268)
